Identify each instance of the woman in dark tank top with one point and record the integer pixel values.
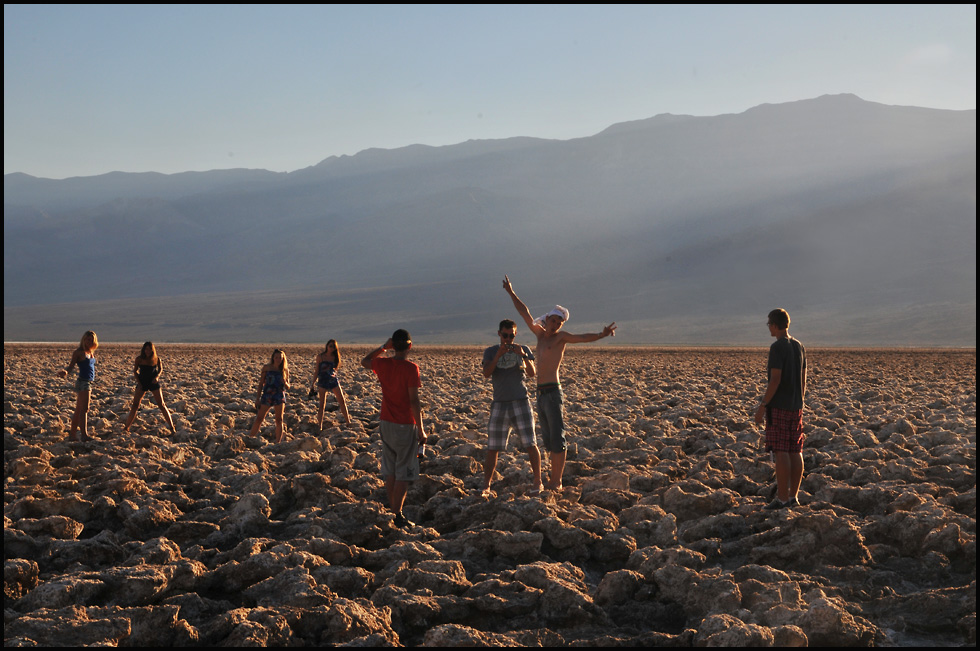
(325, 368)
(147, 369)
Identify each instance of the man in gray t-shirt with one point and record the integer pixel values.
(507, 365)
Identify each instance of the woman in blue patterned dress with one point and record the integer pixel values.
(273, 384)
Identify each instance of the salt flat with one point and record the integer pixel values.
(212, 537)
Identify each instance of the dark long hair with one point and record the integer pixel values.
(152, 359)
(336, 351)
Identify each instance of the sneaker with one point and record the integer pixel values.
(791, 502)
(774, 505)
(401, 522)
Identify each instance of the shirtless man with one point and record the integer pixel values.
(550, 352)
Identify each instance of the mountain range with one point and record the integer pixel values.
(859, 218)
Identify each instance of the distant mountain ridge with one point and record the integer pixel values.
(680, 228)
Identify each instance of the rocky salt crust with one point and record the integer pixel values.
(211, 537)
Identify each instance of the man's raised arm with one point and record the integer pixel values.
(522, 309)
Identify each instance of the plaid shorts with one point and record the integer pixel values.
(507, 416)
(784, 430)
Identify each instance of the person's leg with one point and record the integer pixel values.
(321, 407)
(498, 431)
(557, 468)
(390, 490)
(399, 489)
(158, 397)
(551, 413)
(280, 430)
(74, 419)
(79, 420)
(489, 467)
(137, 398)
(523, 420)
(259, 415)
(534, 455)
(783, 473)
(795, 474)
(544, 423)
(84, 398)
(342, 402)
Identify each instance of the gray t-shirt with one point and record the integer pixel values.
(789, 356)
(508, 376)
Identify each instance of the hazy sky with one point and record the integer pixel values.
(90, 89)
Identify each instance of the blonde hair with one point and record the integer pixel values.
(95, 341)
(284, 367)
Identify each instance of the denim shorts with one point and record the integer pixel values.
(551, 414)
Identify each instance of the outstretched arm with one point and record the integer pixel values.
(74, 360)
(608, 331)
(522, 309)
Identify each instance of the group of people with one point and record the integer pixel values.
(147, 369)
(509, 366)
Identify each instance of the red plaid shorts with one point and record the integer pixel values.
(784, 430)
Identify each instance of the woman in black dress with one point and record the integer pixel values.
(147, 368)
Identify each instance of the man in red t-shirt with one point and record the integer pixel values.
(402, 430)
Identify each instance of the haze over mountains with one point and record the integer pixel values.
(859, 218)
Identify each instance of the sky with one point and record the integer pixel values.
(91, 89)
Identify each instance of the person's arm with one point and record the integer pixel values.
(136, 367)
(285, 378)
(74, 360)
(529, 368)
(490, 364)
(159, 368)
(608, 331)
(775, 375)
(316, 372)
(804, 376)
(416, 404)
(522, 309)
(258, 396)
(369, 358)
